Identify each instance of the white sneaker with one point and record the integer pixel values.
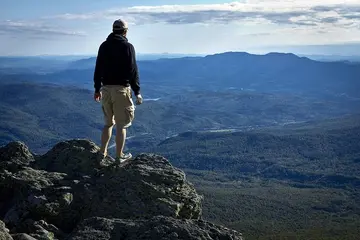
(124, 157)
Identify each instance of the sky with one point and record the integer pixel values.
(78, 27)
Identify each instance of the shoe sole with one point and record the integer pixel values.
(123, 160)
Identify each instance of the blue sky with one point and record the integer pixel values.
(35, 27)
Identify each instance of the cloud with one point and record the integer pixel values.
(35, 29)
(330, 19)
(340, 8)
(352, 16)
(261, 34)
(287, 12)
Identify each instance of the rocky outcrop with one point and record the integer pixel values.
(4, 232)
(71, 192)
(155, 228)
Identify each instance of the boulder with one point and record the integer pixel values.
(155, 228)
(15, 155)
(22, 236)
(73, 157)
(4, 232)
(35, 195)
(72, 190)
(145, 186)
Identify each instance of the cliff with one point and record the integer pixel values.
(72, 193)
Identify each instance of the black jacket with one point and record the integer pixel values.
(116, 64)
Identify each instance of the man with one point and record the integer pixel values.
(116, 73)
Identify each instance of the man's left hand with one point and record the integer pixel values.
(97, 96)
(139, 99)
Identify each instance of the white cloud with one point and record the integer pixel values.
(239, 26)
(288, 12)
(35, 29)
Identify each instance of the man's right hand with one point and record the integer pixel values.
(97, 96)
(139, 99)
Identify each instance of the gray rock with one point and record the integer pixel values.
(44, 231)
(30, 192)
(146, 186)
(36, 194)
(47, 196)
(4, 232)
(22, 236)
(155, 228)
(74, 157)
(14, 156)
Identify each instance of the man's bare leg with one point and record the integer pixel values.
(120, 141)
(105, 139)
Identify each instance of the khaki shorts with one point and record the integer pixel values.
(118, 106)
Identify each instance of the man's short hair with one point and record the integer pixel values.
(120, 32)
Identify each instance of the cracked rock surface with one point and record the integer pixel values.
(72, 192)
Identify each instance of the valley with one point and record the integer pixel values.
(302, 181)
(271, 141)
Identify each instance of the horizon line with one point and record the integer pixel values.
(185, 54)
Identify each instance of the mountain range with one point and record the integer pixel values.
(273, 72)
(272, 141)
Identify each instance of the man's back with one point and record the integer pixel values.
(116, 63)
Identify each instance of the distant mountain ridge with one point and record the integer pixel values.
(333, 58)
(90, 61)
(272, 72)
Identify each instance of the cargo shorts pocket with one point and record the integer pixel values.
(130, 113)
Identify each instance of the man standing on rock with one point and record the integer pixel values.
(116, 73)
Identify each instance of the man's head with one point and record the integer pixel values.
(120, 27)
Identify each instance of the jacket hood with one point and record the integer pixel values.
(117, 37)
